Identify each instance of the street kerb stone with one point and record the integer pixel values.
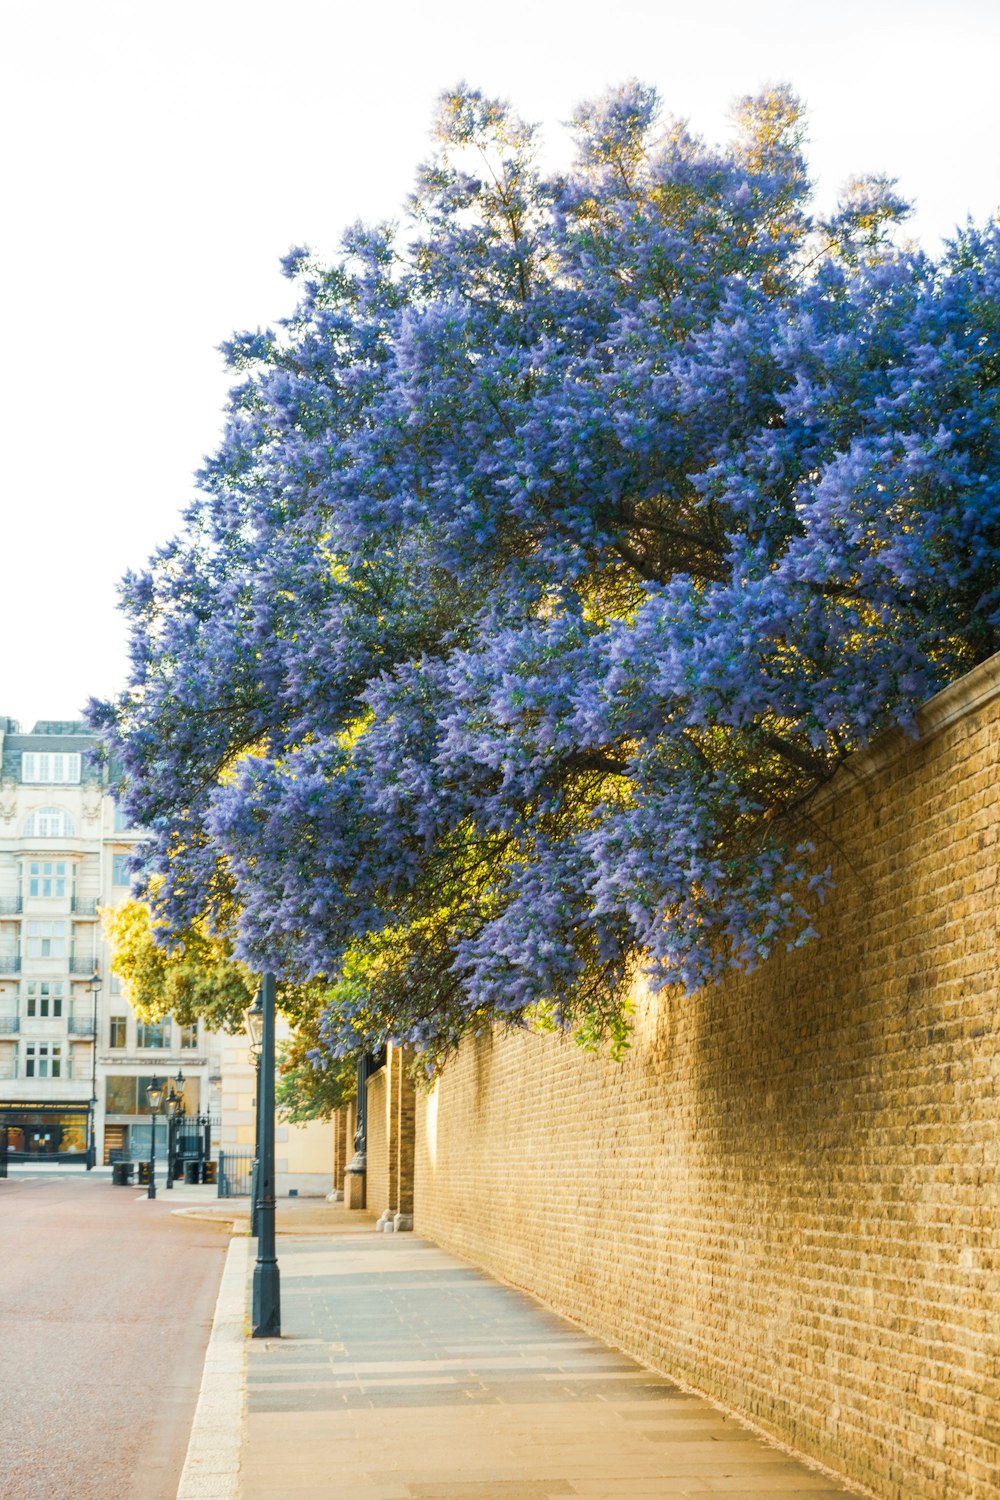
(211, 1469)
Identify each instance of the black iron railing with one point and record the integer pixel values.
(235, 1169)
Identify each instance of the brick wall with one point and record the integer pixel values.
(343, 1146)
(786, 1194)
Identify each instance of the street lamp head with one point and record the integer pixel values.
(178, 1086)
(154, 1094)
(172, 1103)
(254, 1020)
(95, 979)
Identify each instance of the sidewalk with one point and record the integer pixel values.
(403, 1373)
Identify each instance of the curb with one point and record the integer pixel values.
(212, 1467)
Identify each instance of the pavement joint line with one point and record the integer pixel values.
(212, 1466)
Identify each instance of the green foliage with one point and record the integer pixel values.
(197, 978)
(308, 1089)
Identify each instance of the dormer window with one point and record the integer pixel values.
(56, 766)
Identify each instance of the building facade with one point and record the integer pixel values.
(74, 1059)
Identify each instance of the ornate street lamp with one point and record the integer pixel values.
(154, 1097)
(95, 987)
(174, 1107)
(266, 1309)
(254, 1022)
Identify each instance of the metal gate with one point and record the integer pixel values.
(235, 1168)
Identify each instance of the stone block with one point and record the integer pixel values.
(354, 1190)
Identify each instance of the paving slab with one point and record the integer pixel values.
(403, 1373)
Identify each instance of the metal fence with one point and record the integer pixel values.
(3, 1151)
(235, 1169)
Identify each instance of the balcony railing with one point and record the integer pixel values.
(10, 963)
(80, 1026)
(9, 1024)
(81, 966)
(84, 906)
(10, 906)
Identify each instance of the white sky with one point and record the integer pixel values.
(160, 158)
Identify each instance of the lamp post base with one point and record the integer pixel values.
(266, 1307)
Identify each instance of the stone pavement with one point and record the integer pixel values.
(403, 1373)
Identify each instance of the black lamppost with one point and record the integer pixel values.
(154, 1096)
(95, 985)
(254, 1020)
(174, 1105)
(266, 1309)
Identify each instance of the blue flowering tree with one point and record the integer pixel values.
(569, 535)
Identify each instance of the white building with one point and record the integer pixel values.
(64, 853)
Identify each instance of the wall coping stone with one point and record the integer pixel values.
(966, 695)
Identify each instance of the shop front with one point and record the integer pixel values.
(43, 1131)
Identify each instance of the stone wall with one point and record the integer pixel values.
(786, 1195)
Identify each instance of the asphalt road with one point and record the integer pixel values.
(106, 1302)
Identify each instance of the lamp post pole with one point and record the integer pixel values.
(255, 1028)
(171, 1108)
(266, 1311)
(154, 1095)
(255, 1174)
(95, 985)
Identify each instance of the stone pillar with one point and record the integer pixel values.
(355, 1194)
(354, 1182)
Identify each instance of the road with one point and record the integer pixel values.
(106, 1302)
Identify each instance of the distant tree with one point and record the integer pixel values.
(559, 546)
(308, 1090)
(195, 978)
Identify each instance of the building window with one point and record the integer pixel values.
(42, 1060)
(116, 985)
(153, 1034)
(56, 766)
(47, 878)
(126, 1095)
(45, 998)
(119, 869)
(48, 823)
(122, 823)
(46, 939)
(119, 1032)
(189, 1035)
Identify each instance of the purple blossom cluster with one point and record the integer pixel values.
(564, 540)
